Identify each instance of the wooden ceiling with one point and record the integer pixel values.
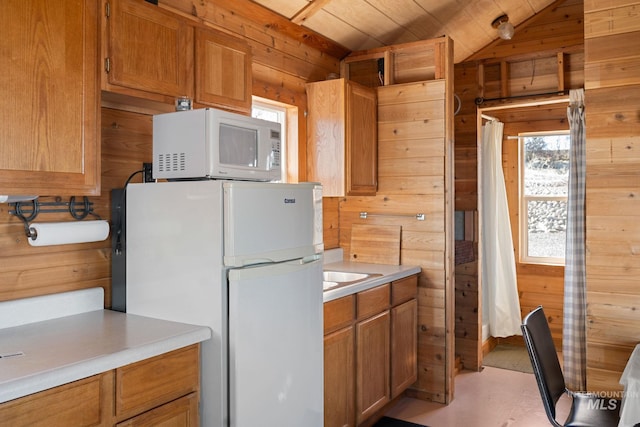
(366, 24)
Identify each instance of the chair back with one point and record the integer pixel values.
(544, 359)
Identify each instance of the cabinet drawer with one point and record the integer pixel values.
(80, 403)
(152, 382)
(404, 289)
(373, 301)
(339, 313)
(181, 412)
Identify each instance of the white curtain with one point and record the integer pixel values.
(501, 306)
(574, 339)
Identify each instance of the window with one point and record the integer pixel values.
(262, 109)
(544, 178)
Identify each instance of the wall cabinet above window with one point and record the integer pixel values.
(154, 54)
(223, 71)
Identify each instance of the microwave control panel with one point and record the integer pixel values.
(275, 149)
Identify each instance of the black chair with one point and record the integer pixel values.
(586, 409)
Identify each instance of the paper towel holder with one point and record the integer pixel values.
(27, 211)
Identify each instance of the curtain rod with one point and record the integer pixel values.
(493, 119)
(480, 100)
(533, 135)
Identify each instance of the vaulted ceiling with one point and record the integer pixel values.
(366, 24)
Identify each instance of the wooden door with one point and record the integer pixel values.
(223, 71)
(361, 141)
(149, 49)
(404, 346)
(372, 365)
(339, 378)
(50, 91)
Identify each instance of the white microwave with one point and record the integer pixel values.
(214, 144)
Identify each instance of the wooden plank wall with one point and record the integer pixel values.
(412, 167)
(521, 66)
(612, 82)
(557, 27)
(27, 271)
(467, 326)
(467, 88)
(468, 345)
(283, 61)
(331, 222)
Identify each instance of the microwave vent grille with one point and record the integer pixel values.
(171, 162)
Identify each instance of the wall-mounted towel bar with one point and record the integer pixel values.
(419, 216)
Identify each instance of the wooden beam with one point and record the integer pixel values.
(264, 18)
(308, 11)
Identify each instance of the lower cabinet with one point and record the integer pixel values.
(338, 378)
(163, 390)
(404, 346)
(372, 365)
(370, 351)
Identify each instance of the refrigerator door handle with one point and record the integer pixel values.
(310, 258)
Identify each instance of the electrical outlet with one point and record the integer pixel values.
(148, 172)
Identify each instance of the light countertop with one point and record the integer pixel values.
(48, 353)
(387, 273)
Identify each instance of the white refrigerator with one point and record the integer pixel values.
(245, 259)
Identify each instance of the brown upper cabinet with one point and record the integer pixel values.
(148, 49)
(342, 137)
(49, 133)
(153, 54)
(223, 71)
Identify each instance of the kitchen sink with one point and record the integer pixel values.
(333, 279)
(328, 285)
(342, 276)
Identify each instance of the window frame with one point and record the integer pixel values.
(281, 111)
(523, 200)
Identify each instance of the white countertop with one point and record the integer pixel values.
(388, 273)
(61, 350)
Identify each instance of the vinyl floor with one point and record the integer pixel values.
(493, 397)
(509, 356)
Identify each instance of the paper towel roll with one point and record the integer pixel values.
(63, 233)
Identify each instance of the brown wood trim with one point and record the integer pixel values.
(274, 22)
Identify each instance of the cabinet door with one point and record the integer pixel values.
(81, 403)
(182, 412)
(372, 365)
(49, 132)
(326, 135)
(404, 346)
(342, 135)
(362, 141)
(148, 49)
(223, 71)
(339, 366)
